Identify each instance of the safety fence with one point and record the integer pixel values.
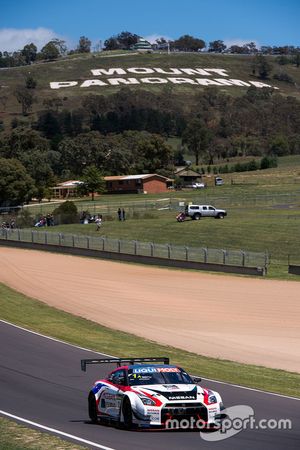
(145, 249)
(236, 200)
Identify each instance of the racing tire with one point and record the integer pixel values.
(92, 408)
(197, 216)
(127, 414)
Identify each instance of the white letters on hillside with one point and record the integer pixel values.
(109, 72)
(125, 80)
(60, 84)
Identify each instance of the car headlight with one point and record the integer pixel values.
(147, 401)
(212, 399)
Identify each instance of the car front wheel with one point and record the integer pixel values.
(127, 414)
(92, 408)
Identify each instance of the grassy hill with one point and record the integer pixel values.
(78, 68)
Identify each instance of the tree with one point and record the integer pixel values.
(93, 180)
(262, 66)
(25, 98)
(197, 137)
(16, 185)
(50, 51)
(217, 46)
(124, 40)
(188, 43)
(29, 53)
(84, 45)
(30, 82)
(111, 43)
(127, 39)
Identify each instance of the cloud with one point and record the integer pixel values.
(13, 39)
(240, 42)
(152, 38)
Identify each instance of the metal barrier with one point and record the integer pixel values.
(219, 257)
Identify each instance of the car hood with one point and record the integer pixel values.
(172, 392)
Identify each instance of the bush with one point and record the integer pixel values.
(283, 76)
(25, 219)
(66, 213)
(268, 161)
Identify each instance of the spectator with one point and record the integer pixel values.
(98, 222)
(119, 214)
(123, 214)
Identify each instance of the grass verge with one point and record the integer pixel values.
(35, 315)
(17, 437)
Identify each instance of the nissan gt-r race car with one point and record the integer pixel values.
(149, 392)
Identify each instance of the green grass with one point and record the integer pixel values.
(34, 315)
(17, 437)
(262, 216)
(78, 68)
(259, 229)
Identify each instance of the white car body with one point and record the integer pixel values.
(117, 396)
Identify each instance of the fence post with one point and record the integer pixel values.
(243, 258)
(59, 238)
(169, 251)
(151, 248)
(267, 259)
(73, 240)
(88, 242)
(186, 253)
(135, 247)
(32, 234)
(205, 254)
(119, 246)
(19, 234)
(224, 256)
(46, 238)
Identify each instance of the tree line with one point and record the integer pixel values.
(127, 132)
(126, 40)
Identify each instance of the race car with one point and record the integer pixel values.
(149, 392)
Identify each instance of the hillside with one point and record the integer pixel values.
(78, 69)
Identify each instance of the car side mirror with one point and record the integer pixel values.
(196, 380)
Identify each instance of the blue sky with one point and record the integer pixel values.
(265, 22)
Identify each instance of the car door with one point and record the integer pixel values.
(211, 212)
(110, 400)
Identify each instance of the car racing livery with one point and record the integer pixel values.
(148, 392)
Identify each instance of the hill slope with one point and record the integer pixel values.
(78, 69)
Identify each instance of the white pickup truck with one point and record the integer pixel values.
(198, 211)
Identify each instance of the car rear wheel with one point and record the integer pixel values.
(93, 408)
(197, 216)
(127, 414)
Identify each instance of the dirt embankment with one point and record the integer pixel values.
(243, 319)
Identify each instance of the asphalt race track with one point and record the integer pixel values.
(41, 381)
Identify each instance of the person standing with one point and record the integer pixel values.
(119, 214)
(123, 214)
(98, 222)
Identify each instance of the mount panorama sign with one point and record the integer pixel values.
(145, 75)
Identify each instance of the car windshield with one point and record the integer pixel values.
(158, 375)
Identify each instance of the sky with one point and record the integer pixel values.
(265, 22)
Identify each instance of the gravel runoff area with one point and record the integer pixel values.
(244, 319)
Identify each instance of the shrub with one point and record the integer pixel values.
(283, 76)
(268, 161)
(66, 213)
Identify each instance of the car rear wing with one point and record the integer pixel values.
(121, 361)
